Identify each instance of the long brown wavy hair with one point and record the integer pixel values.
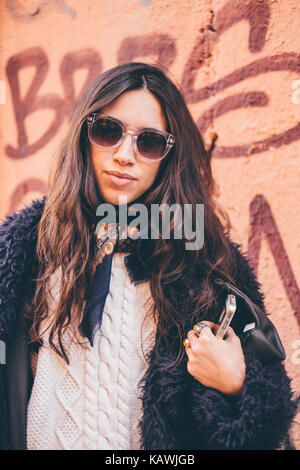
(66, 229)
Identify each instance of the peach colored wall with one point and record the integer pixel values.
(238, 65)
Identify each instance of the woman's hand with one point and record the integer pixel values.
(215, 362)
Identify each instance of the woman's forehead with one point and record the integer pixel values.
(137, 108)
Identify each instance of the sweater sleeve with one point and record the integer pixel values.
(18, 238)
(261, 416)
(258, 419)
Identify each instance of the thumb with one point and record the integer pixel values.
(230, 336)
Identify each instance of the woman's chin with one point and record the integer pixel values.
(118, 198)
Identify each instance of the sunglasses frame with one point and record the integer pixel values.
(93, 117)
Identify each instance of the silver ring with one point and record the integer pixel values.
(191, 334)
(199, 327)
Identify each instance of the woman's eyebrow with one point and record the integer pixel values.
(139, 127)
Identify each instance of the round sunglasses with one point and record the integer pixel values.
(108, 132)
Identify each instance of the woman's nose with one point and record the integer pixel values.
(125, 152)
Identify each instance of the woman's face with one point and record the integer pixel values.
(136, 109)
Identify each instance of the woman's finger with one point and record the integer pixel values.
(192, 337)
(204, 326)
(209, 323)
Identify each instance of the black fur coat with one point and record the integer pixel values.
(178, 411)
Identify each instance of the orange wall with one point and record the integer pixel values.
(237, 63)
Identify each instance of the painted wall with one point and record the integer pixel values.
(237, 63)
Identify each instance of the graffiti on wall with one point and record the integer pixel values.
(257, 14)
(25, 14)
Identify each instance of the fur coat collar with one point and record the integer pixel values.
(178, 411)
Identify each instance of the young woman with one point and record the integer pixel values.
(95, 323)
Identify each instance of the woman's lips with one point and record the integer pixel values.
(117, 181)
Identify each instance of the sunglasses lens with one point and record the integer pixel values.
(106, 132)
(151, 145)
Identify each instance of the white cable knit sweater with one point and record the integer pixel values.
(94, 403)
